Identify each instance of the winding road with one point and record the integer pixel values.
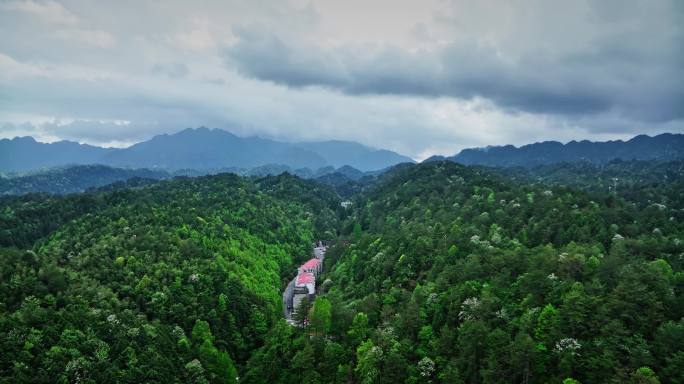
(287, 299)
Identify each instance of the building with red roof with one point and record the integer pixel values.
(305, 283)
(311, 266)
(306, 278)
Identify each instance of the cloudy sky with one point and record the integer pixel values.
(419, 77)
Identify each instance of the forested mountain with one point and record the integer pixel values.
(79, 178)
(253, 224)
(455, 274)
(174, 282)
(664, 147)
(199, 149)
(73, 179)
(438, 272)
(623, 177)
(347, 186)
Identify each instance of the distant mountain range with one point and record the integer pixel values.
(198, 149)
(202, 150)
(73, 179)
(79, 178)
(25, 154)
(664, 147)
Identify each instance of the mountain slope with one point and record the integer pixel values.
(199, 149)
(173, 283)
(73, 179)
(455, 274)
(664, 147)
(204, 148)
(25, 153)
(339, 153)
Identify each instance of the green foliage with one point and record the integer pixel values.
(357, 231)
(359, 330)
(644, 375)
(440, 273)
(75, 179)
(320, 316)
(173, 282)
(368, 358)
(468, 275)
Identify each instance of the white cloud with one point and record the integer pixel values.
(47, 11)
(199, 35)
(94, 38)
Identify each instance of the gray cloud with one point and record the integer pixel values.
(172, 70)
(637, 72)
(417, 77)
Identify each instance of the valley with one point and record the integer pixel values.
(342, 192)
(438, 270)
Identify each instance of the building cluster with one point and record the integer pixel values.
(305, 282)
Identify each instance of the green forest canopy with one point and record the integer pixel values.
(438, 273)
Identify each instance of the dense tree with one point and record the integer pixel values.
(437, 273)
(177, 281)
(320, 317)
(465, 274)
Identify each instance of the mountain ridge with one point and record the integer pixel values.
(80, 178)
(196, 148)
(663, 147)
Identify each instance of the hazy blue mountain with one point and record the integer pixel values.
(350, 172)
(347, 181)
(204, 148)
(664, 147)
(347, 172)
(24, 153)
(270, 169)
(197, 149)
(339, 153)
(434, 158)
(79, 178)
(73, 179)
(324, 171)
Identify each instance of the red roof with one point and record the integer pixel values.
(305, 278)
(313, 263)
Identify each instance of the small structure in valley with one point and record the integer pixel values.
(305, 285)
(305, 282)
(311, 266)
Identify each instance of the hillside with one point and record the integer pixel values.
(664, 147)
(438, 271)
(173, 282)
(341, 192)
(73, 179)
(622, 177)
(344, 153)
(460, 275)
(25, 153)
(79, 178)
